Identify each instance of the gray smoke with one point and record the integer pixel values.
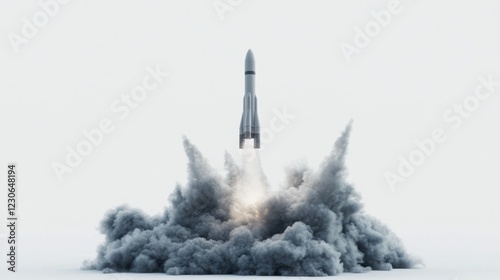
(314, 226)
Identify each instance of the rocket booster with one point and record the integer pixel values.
(249, 125)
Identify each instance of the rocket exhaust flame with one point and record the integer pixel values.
(252, 186)
(314, 226)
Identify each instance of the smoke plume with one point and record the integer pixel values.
(314, 226)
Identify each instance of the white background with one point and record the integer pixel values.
(429, 57)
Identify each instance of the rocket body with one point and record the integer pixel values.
(249, 125)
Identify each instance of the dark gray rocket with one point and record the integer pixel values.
(249, 125)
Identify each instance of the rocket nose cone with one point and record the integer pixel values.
(249, 61)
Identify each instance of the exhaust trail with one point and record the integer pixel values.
(314, 226)
(253, 186)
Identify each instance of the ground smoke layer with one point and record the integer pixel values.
(314, 226)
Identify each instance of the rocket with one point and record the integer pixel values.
(249, 125)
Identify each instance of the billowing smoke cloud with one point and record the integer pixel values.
(314, 226)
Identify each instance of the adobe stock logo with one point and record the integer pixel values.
(278, 122)
(122, 107)
(222, 7)
(372, 29)
(30, 28)
(454, 118)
